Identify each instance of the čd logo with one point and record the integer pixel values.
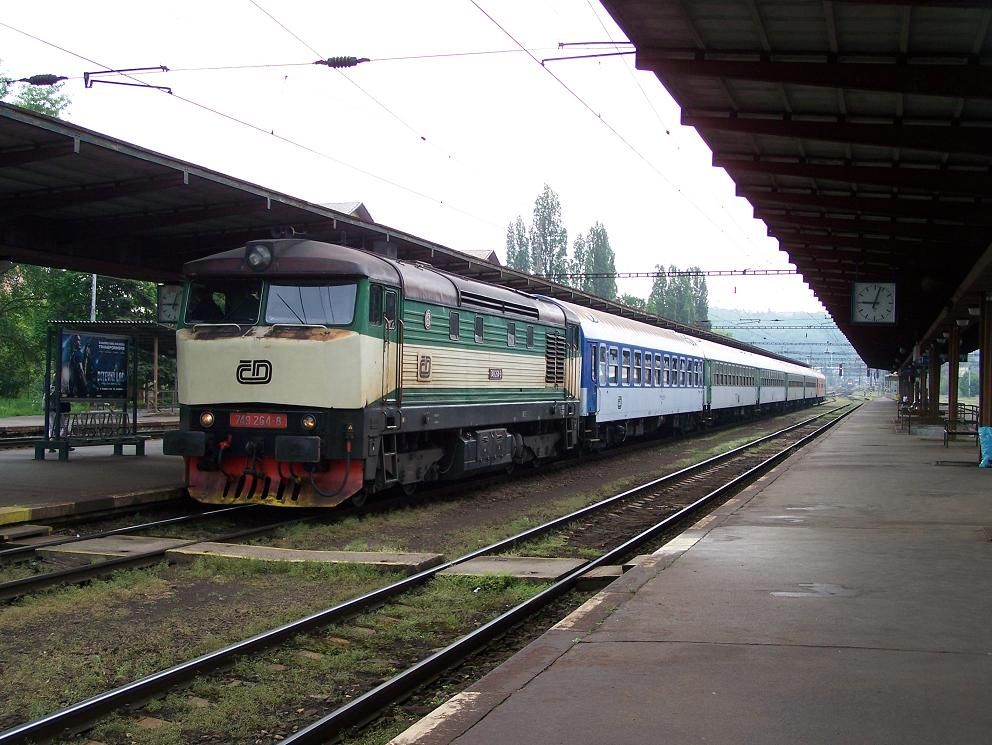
(254, 372)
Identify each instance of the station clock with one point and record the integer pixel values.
(873, 303)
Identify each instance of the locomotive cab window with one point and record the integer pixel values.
(389, 313)
(314, 305)
(235, 301)
(375, 305)
(453, 325)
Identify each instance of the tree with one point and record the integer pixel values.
(633, 301)
(701, 295)
(548, 237)
(601, 261)
(580, 265)
(517, 246)
(658, 299)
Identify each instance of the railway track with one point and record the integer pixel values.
(364, 707)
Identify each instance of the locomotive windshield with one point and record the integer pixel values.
(233, 301)
(325, 305)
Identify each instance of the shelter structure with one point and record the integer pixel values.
(861, 133)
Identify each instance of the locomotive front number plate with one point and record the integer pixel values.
(259, 421)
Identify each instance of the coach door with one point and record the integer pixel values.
(391, 338)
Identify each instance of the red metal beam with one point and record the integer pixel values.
(968, 79)
(900, 176)
(940, 138)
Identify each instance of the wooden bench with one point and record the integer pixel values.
(953, 427)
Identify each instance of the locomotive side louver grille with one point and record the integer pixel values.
(554, 360)
(504, 306)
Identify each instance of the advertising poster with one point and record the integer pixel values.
(93, 365)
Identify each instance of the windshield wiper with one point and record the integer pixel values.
(279, 295)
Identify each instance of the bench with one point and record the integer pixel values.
(64, 445)
(953, 427)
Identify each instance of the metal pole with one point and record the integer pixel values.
(933, 378)
(154, 406)
(985, 363)
(953, 352)
(93, 299)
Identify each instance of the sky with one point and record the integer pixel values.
(450, 148)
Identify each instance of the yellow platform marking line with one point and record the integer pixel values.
(15, 514)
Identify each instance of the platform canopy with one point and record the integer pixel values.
(861, 133)
(77, 199)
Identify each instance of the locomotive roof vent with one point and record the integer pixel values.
(258, 255)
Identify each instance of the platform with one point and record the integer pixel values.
(844, 598)
(93, 479)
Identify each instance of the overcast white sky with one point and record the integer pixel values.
(496, 127)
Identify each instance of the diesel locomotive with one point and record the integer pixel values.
(313, 373)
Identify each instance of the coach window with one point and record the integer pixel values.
(602, 364)
(657, 369)
(480, 324)
(453, 325)
(375, 305)
(511, 334)
(648, 369)
(682, 371)
(530, 336)
(625, 365)
(614, 366)
(594, 366)
(668, 378)
(699, 373)
(637, 367)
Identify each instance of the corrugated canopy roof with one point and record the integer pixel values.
(861, 133)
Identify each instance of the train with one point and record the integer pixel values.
(311, 374)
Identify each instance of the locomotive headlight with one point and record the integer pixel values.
(309, 422)
(258, 256)
(206, 419)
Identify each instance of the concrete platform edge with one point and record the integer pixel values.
(16, 514)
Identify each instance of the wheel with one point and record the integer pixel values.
(359, 498)
(408, 489)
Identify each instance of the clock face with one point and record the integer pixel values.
(874, 302)
(169, 299)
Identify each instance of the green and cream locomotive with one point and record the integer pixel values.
(311, 373)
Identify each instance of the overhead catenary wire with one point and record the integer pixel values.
(268, 132)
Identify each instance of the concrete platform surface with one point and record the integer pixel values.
(843, 598)
(112, 546)
(92, 479)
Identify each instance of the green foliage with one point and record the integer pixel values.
(50, 100)
(601, 261)
(683, 297)
(633, 301)
(30, 296)
(548, 237)
(580, 265)
(517, 246)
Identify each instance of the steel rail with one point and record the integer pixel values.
(6, 553)
(76, 715)
(76, 575)
(367, 706)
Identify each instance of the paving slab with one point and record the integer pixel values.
(11, 533)
(112, 546)
(409, 562)
(842, 598)
(536, 569)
